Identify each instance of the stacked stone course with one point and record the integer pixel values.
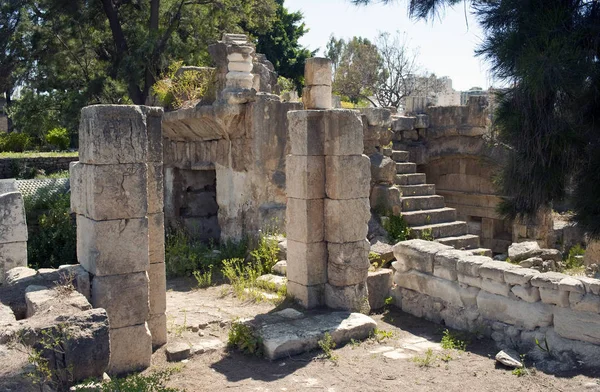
(117, 196)
(13, 228)
(328, 184)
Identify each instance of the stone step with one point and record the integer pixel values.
(481, 252)
(429, 202)
(467, 241)
(400, 156)
(410, 179)
(406, 168)
(428, 217)
(440, 230)
(418, 190)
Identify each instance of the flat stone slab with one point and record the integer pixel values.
(289, 332)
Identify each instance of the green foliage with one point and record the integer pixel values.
(59, 138)
(176, 88)
(14, 142)
(285, 85)
(427, 234)
(328, 345)
(204, 279)
(545, 348)
(426, 360)
(154, 382)
(397, 228)
(266, 252)
(452, 341)
(572, 262)
(242, 276)
(242, 337)
(47, 371)
(380, 335)
(52, 230)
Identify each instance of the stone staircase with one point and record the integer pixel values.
(426, 213)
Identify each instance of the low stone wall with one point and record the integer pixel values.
(552, 317)
(10, 166)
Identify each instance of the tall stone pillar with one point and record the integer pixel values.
(115, 193)
(13, 228)
(328, 183)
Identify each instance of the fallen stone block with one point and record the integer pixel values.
(384, 251)
(347, 177)
(178, 351)
(523, 250)
(509, 358)
(518, 313)
(379, 283)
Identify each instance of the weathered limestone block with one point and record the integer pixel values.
(494, 270)
(12, 255)
(348, 263)
(523, 250)
(156, 238)
(112, 247)
(307, 132)
(529, 294)
(379, 283)
(343, 133)
(384, 251)
(431, 286)
(572, 285)
(79, 276)
(354, 298)
(305, 177)
(13, 227)
(517, 313)
(386, 198)
(377, 117)
(347, 177)
(239, 80)
(130, 349)
(577, 325)
(346, 220)
(418, 254)
(154, 116)
(591, 285)
(584, 303)
(317, 71)
(469, 280)
(240, 66)
(304, 219)
(548, 280)
(307, 296)
(401, 123)
(444, 263)
(554, 297)
(383, 169)
(494, 287)
(307, 263)
(422, 121)
(78, 187)
(157, 288)
(520, 276)
(111, 191)
(470, 265)
(156, 189)
(125, 298)
(317, 97)
(157, 324)
(114, 134)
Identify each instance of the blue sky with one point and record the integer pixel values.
(446, 46)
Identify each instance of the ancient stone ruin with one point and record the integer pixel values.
(13, 228)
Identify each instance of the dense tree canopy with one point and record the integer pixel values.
(548, 52)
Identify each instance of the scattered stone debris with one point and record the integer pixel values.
(509, 358)
(177, 351)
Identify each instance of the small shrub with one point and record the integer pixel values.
(242, 337)
(175, 89)
(154, 382)
(397, 228)
(451, 341)
(204, 279)
(425, 361)
(285, 85)
(426, 234)
(14, 142)
(327, 345)
(58, 138)
(266, 252)
(573, 262)
(380, 335)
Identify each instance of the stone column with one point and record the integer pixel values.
(327, 184)
(118, 158)
(13, 228)
(239, 78)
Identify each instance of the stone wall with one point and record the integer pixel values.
(513, 305)
(13, 228)
(10, 166)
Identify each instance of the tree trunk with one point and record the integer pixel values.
(9, 127)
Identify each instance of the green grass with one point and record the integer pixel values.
(452, 341)
(38, 154)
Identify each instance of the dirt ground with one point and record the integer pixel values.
(203, 316)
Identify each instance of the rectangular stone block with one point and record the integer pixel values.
(584, 302)
(308, 297)
(317, 97)
(317, 71)
(154, 117)
(158, 288)
(494, 270)
(469, 280)
(554, 297)
(491, 286)
(306, 263)
(348, 263)
(125, 298)
(419, 254)
(78, 191)
(113, 191)
(307, 132)
(354, 298)
(304, 220)
(347, 176)
(112, 247)
(431, 286)
(346, 220)
(529, 294)
(305, 176)
(156, 191)
(379, 284)
(156, 238)
(520, 276)
(444, 263)
(12, 255)
(113, 134)
(130, 349)
(343, 132)
(13, 227)
(470, 265)
(577, 325)
(157, 324)
(518, 313)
